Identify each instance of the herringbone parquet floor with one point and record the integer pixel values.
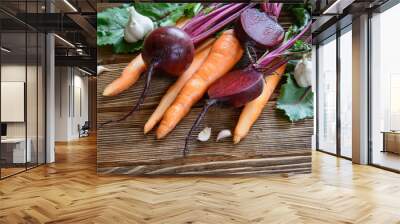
(69, 191)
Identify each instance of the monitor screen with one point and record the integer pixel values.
(3, 129)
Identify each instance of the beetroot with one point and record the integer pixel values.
(168, 50)
(238, 87)
(259, 28)
(235, 88)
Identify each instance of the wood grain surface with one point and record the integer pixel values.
(274, 145)
(71, 192)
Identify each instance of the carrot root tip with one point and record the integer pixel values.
(236, 139)
(107, 92)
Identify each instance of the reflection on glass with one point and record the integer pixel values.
(22, 89)
(31, 100)
(14, 153)
(385, 84)
(41, 99)
(327, 96)
(346, 94)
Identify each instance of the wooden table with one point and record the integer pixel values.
(274, 144)
(391, 141)
(13, 150)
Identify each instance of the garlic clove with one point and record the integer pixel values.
(204, 135)
(101, 69)
(224, 134)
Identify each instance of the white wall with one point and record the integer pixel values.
(33, 126)
(61, 103)
(16, 73)
(70, 83)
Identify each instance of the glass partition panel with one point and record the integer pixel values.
(14, 153)
(41, 99)
(385, 89)
(22, 77)
(327, 96)
(32, 86)
(346, 93)
(31, 99)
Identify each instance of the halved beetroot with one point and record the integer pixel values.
(237, 87)
(256, 26)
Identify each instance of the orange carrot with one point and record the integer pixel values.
(254, 108)
(129, 76)
(169, 97)
(224, 54)
(131, 73)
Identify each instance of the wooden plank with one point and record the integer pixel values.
(274, 145)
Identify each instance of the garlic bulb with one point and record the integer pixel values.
(204, 135)
(137, 27)
(303, 73)
(224, 134)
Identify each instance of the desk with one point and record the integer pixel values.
(16, 147)
(391, 141)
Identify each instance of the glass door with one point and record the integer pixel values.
(385, 90)
(327, 96)
(346, 92)
(22, 78)
(14, 144)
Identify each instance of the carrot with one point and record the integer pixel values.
(169, 97)
(131, 73)
(129, 76)
(224, 54)
(252, 110)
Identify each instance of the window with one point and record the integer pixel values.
(327, 96)
(346, 92)
(385, 89)
(334, 106)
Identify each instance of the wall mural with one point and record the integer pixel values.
(204, 89)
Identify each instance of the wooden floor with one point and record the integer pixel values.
(69, 191)
(386, 159)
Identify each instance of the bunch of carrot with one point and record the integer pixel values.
(213, 59)
(200, 28)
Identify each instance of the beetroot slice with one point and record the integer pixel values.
(238, 87)
(256, 26)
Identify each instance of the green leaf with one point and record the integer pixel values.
(300, 12)
(295, 101)
(111, 22)
(300, 46)
(188, 10)
(301, 15)
(156, 11)
(123, 47)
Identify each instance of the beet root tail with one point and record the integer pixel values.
(207, 105)
(148, 75)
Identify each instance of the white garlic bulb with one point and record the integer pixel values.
(137, 27)
(303, 73)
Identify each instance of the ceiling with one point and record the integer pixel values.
(72, 20)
